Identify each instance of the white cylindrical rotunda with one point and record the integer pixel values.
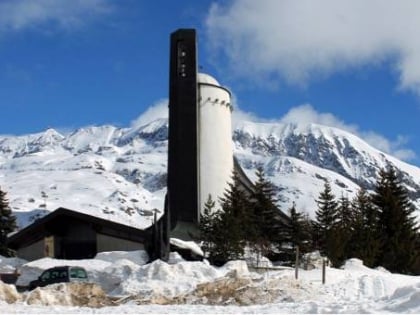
(215, 139)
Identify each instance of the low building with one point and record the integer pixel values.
(68, 234)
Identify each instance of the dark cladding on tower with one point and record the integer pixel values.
(183, 127)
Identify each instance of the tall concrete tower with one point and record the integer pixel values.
(215, 139)
(200, 155)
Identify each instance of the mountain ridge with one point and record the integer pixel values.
(121, 172)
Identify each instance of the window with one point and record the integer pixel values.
(45, 276)
(78, 273)
(55, 274)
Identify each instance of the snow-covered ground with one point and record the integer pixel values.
(197, 287)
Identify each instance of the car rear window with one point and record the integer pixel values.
(78, 273)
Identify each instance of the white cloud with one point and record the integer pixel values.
(156, 111)
(298, 41)
(238, 115)
(18, 15)
(306, 114)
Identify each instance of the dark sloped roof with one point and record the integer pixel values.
(45, 226)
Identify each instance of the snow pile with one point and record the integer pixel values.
(68, 294)
(405, 298)
(139, 257)
(33, 270)
(237, 267)
(126, 273)
(10, 264)
(126, 280)
(312, 260)
(8, 293)
(360, 282)
(162, 279)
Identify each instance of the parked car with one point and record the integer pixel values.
(60, 274)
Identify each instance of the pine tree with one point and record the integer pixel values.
(364, 242)
(326, 214)
(224, 231)
(345, 215)
(266, 228)
(345, 228)
(207, 225)
(7, 224)
(235, 218)
(396, 224)
(300, 230)
(327, 219)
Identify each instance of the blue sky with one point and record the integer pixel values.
(354, 64)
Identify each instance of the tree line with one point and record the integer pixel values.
(378, 227)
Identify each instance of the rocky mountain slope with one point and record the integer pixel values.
(120, 173)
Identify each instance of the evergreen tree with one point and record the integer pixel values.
(396, 224)
(343, 231)
(266, 228)
(224, 232)
(326, 214)
(327, 226)
(300, 230)
(7, 224)
(345, 215)
(207, 226)
(364, 243)
(234, 219)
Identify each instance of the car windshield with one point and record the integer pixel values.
(78, 273)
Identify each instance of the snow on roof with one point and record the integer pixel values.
(206, 79)
(187, 245)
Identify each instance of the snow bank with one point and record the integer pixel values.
(10, 264)
(237, 267)
(33, 270)
(124, 276)
(163, 279)
(8, 293)
(139, 257)
(68, 294)
(126, 273)
(404, 300)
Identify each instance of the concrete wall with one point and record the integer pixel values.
(216, 148)
(33, 251)
(106, 243)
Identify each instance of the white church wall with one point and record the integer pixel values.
(215, 134)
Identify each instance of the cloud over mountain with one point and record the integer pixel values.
(300, 41)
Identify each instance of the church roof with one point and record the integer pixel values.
(206, 79)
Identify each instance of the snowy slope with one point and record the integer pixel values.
(120, 173)
(299, 158)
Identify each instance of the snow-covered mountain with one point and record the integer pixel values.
(120, 173)
(299, 158)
